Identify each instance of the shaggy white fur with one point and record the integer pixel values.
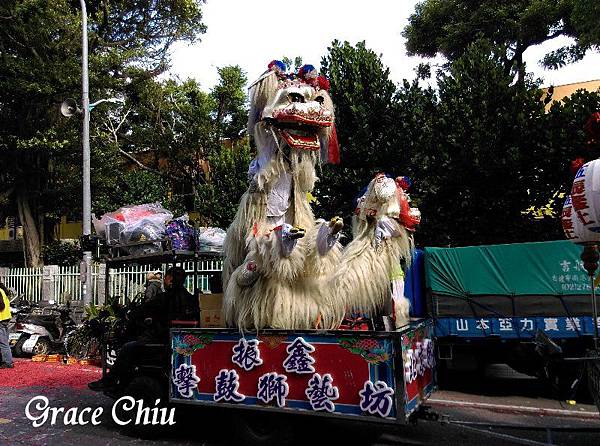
(289, 292)
(315, 283)
(364, 275)
(401, 312)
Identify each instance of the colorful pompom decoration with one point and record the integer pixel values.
(576, 165)
(278, 66)
(323, 83)
(307, 72)
(592, 126)
(404, 182)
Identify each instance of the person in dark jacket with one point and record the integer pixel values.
(175, 303)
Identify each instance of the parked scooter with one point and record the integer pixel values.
(43, 330)
(19, 309)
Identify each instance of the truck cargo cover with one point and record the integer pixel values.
(545, 278)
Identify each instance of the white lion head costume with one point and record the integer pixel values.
(274, 232)
(382, 229)
(283, 268)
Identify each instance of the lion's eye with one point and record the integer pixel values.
(320, 99)
(296, 97)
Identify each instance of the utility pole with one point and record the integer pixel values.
(86, 263)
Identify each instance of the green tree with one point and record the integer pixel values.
(480, 150)
(170, 130)
(447, 27)
(40, 48)
(61, 253)
(364, 98)
(231, 113)
(218, 198)
(492, 157)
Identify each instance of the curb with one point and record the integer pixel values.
(526, 410)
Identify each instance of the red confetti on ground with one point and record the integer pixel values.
(48, 374)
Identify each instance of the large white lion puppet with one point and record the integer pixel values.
(277, 256)
(283, 268)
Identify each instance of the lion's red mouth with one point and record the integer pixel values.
(299, 124)
(304, 114)
(308, 141)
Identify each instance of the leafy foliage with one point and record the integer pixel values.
(364, 99)
(448, 27)
(40, 48)
(218, 198)
(480, 149)
(487, 154)
(61, 253)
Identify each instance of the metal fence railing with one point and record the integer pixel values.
(66, 283)
(130, 280)
(62, 283)
(26, 281)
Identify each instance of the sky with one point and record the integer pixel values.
(251, 33)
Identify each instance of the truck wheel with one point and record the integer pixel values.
(569, 381)
(18, 348)
(41, 347)
(148, 390)
(254, 429)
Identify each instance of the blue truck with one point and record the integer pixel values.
(499, 303)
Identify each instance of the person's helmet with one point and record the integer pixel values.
(154, 275)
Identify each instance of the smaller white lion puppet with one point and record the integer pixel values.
(382, 228)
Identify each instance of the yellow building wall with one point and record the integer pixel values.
(6, 235)
(563, 91)
(64, 230)
(68, 230)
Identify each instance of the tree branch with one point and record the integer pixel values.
(148, 168)
(7, 193)
(138, 162)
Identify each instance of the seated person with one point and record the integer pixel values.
(153, 284)
(175, 303)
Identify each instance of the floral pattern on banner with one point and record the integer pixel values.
(407, 339)
(370, 349)
(188, 344)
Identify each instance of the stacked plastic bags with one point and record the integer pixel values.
(143, 228)
(210, 239)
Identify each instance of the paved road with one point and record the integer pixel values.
(520, 400)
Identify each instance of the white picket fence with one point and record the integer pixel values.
(67, 283)
(26, 281)
(129, 281)
(63, 283)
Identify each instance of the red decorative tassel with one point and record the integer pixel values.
(323, 83)
(576, 165)
(334, 147)
(592, 126)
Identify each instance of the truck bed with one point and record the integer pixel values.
(375, 376)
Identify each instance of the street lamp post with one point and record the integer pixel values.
(69, 108)
(86, 263)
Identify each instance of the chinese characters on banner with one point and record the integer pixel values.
(184, 377)
(579, 214)
(420, 358)
(245, 376)
(571, 276)
(514, 327)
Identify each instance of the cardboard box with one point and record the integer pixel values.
(210, 310)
